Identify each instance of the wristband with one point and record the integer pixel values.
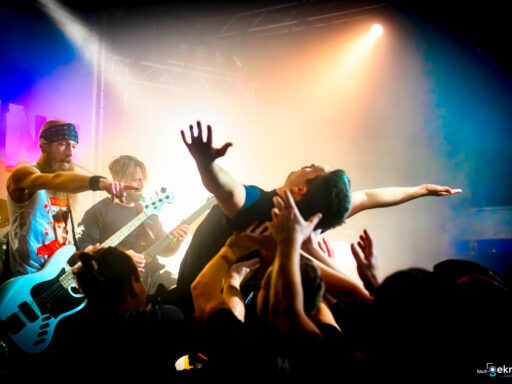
(94, 182)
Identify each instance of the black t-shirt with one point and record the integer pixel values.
(106, 218)
(211, 235)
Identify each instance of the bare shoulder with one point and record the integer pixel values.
(22, 172)
(19, 180)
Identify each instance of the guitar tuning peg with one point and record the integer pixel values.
(163, 189)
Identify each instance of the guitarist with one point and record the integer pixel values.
(38, 199)
(108, 216)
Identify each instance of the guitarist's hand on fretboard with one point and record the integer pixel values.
(92, 248)
(181, 233)
(138, 259)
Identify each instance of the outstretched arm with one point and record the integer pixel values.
(389, 196)
(26, 180)
(229, 193)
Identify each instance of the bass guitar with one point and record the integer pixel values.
(32, 305)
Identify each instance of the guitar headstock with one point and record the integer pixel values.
(153, 206)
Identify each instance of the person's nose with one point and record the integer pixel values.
(69, 151)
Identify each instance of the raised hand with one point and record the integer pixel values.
(202, 150)
(240, 272)
(260, 236)
(326, 247)
(240, 245)
(366, 261)
(287, 222)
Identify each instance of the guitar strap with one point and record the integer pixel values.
(75, 240)
(6, 272)
(146, 223)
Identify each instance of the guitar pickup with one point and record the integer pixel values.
(13, 324)
(28, 312)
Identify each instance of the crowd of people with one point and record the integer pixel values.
(258, 294)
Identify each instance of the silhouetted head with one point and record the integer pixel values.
(110, 279)
(313, 288)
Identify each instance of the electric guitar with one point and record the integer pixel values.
(31, 305)
(152, 263)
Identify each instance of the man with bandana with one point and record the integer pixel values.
(36, 192)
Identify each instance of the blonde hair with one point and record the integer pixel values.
(121, 167)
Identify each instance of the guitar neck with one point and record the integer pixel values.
(151, 207)
(67, 278)
(117, 237)
(157, 247)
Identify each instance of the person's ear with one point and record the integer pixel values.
(298, 191)
(44, 147)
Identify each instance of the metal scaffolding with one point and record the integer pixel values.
(193, 61)
(181, 76)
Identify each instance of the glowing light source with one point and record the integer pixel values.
(376, 31)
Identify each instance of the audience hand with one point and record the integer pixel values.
(259, 236)
(287, 222)
(241, 271)
(238, 245)
(366, 261)
(325, 245)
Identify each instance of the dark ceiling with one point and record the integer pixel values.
(481, 25)
(484, 25)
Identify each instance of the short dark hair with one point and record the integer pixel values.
(330, 195)
(60, 216)
(104, 276)
(312, 283)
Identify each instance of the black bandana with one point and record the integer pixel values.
(60, 132)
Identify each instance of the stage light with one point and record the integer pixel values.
(376, 31)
